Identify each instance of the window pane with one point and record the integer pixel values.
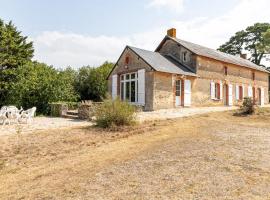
(127, 91)
(133, 76)
(133, 92)
(127, 76)
(178, 88)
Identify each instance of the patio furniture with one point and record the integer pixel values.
(29, 114)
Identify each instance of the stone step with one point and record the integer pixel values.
(70, 116)
(72, 112)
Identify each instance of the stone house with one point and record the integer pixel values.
(180, 73)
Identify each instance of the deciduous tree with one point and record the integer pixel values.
(251, 39)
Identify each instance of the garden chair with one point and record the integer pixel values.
(29, 114)
(3, 117)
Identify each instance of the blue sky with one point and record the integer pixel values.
(88, 32)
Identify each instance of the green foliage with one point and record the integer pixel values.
(27, 84)
(250, 39)
(248, 106)
(15, 50)
(265, 45)
(91, 82)
(114, 113)
(37, 84)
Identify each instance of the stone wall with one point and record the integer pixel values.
(58, 109)
(163, 91)
(86, 109)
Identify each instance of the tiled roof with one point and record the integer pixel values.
(161, 62)
(217, 55)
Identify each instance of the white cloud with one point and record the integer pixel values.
(62, 49)
(68, 49)
(173, 5)
(214, 31)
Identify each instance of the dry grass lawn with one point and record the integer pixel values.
(211, 156)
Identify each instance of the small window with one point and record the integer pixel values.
(253, 76)
(185, 56)
(226, 70)
(127, 60)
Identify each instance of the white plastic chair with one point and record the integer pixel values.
(29, 114)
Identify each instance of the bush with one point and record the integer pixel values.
(248, 106)
(91, 82)
(114, 113)
(36, 84)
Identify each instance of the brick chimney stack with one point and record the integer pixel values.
(172, 32)
(244, 55)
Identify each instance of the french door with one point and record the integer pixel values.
(178, 91)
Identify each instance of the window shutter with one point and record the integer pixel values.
(212, 90)
(221, 90)
(249, 91)
(187, 93)
(141, 86)
(237, 92)
(114, 86)
(230, 95)
(262, 96)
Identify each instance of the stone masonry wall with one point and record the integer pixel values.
(135, 64)
(210, 69)
(163, 91)
(176, 50)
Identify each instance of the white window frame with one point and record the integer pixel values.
(125, 81)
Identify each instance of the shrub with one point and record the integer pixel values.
(114, 113)
(248, 106)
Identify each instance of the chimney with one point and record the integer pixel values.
(244, 56)
(171, 32)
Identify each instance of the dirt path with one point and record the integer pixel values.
(213, 156)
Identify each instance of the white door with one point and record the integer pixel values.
(187, 93)
(230, 95)
(178, 93)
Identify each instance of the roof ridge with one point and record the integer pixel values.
(218, 55)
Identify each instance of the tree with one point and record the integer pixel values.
(15, 50)
(91, 82)
(250, 39)
(37, 84)
(265, 45)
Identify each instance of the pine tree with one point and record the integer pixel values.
(15, 50)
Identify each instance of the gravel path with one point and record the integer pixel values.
(42, 123)
(178, 113)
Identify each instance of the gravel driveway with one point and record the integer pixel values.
(47, 123)
(209, 156)
(42, 123)
(178, 113)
